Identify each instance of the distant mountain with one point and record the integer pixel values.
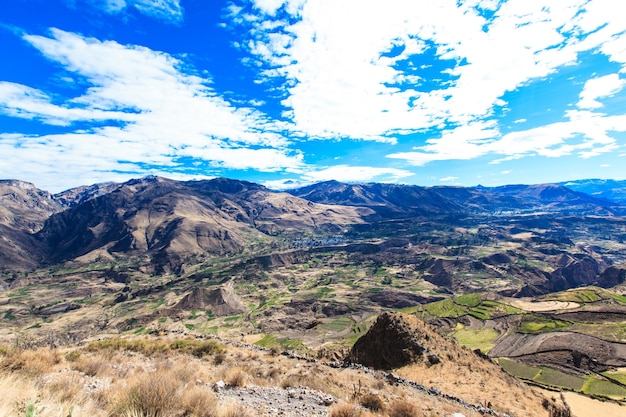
(25, 207)
(386, 199)
(78, 195)
(406, 200)
(607, 189)
(172, 220)
(23, 210)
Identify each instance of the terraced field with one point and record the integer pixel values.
(575, 340)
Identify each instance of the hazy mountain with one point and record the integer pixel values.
(172, 221)
(78, 195)
(397, 200)
(386, 199)
(607, 189)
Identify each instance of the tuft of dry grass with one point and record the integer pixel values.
(153, 395)
(344, 410)
(32, 362)
(90, 366)
(402, 408)
(372, 402)
(198, 402)
(69, 389)
(231, 409)
(237, 377)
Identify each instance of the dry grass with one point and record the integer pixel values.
(110, 379)
(22, 396)
(232, 409)
(344, 410)
(402, 408)
(237, 377)
(32, 362)
(372, 402)
(153, 395)
(90, 366)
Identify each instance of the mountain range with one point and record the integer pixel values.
(169, 222)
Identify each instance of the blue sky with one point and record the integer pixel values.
(292, 92)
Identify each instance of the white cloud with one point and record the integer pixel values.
(341, 86)
(448, 179)
(600, 87)
(463, 143)
(342, 81)
(585, 134)
(169, 11)
(346, 173)
(156, 115)
(269, 6)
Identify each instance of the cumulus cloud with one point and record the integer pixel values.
(600, 87)
(157, 115)
(347, 173)
(169, 11)
(346, 74)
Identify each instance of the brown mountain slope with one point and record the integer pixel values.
(25, 207)
(171, 220)
(23, 210)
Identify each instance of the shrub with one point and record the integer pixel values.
(372, 402)
(402, 408)
(198, 402)
(237, 377)
(154, 395)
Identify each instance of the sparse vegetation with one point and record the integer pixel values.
(344, 410)
(402, 408)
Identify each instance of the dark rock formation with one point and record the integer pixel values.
(220, 301)
(392, 343)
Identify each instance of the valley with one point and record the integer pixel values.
(531, 276)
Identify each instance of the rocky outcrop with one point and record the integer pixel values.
(220, 301)
(436, 272)
(394, 342)
(574, 271)
(612, 276)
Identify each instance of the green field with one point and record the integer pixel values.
(590, 385)
(597, 386)
(519, 369)
(468, 304)
(555, 378)
(483, 339)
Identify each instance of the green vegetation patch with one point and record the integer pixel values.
(619, 376)
(444, 308)
(612, 332)
(597, 386)
(194, 347)
(469, 300)
(540, 324)
(518, 369)
(552, 377)
(468, 304)
(483, 339)
(337, 325)
(586, 295)
(270, 341)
